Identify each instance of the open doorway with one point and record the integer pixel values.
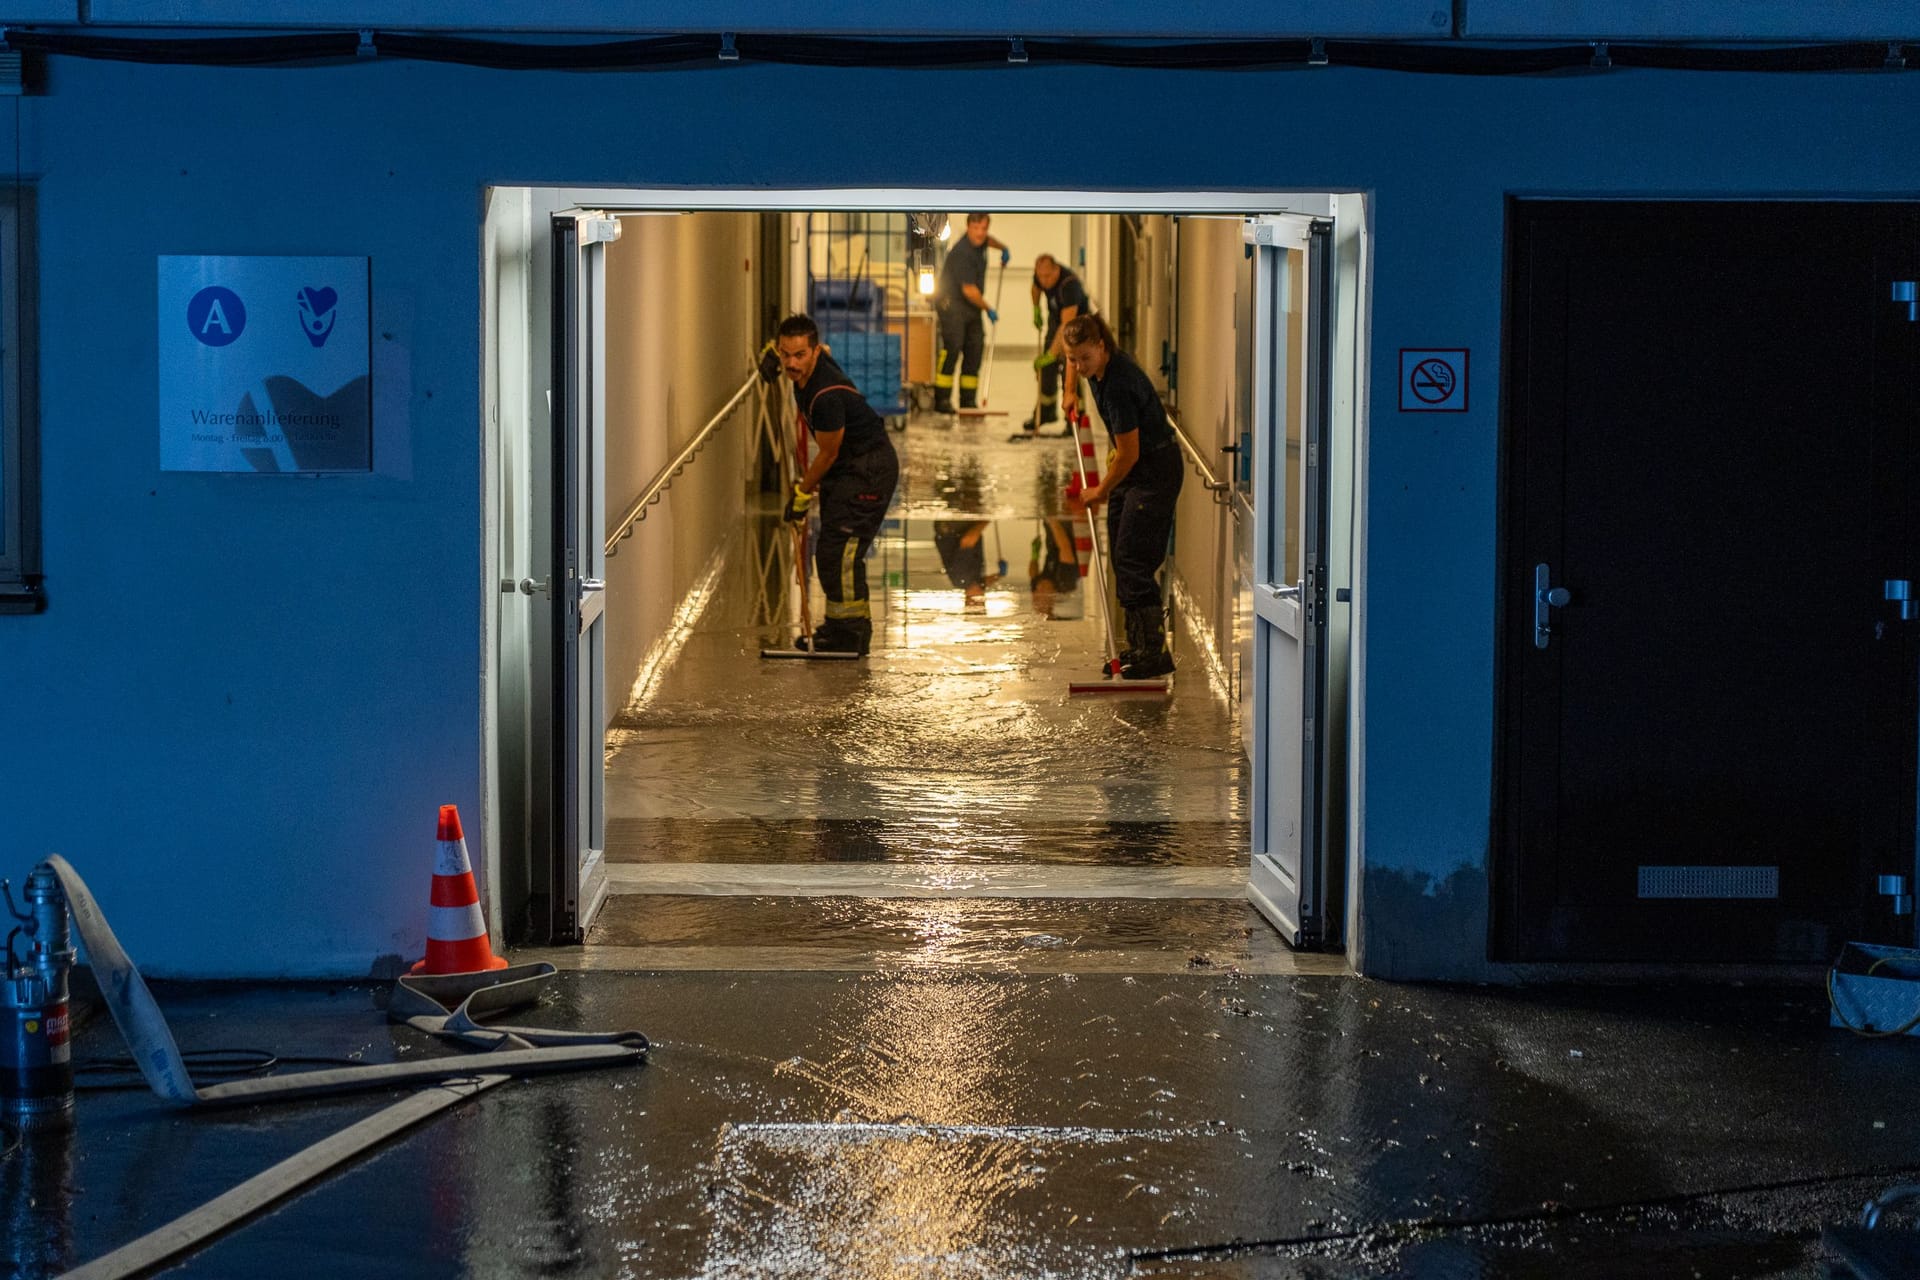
(668, 797)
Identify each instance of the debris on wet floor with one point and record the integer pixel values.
(970, 1124)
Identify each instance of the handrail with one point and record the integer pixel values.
(637, 509)
(1223, 491)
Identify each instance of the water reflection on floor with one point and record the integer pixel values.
(956, 742)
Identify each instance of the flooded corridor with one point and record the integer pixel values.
(945, 800)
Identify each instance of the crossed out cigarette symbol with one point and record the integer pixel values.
(1432, 381)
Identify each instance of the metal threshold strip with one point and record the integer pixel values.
(938, 880)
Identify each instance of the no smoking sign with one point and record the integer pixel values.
(1433, 379)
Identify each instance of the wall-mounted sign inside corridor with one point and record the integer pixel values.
(1433, 379)
(265, 364)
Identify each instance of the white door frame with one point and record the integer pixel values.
(1290, 882)
(1344, 205)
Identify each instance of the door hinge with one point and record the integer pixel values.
(595, 227)
(1897, 888)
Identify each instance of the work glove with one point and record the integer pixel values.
(1006, 256)
(1044, 359)
(797, 505)
(1039, 317)
(993, 316)
(769, 364)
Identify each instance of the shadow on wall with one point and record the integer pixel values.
(1417, 927)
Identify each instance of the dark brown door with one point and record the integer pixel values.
(1709, 443)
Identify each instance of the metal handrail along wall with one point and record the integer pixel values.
(1223, 491)
(637, 509)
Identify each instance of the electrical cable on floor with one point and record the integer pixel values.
(206, 1065)
(1413, 1228)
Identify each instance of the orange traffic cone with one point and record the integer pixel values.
(456, 931)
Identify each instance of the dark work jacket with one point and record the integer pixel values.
(830, 402)
(966, 264)
(1128, 402)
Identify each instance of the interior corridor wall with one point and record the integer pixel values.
(1152, 250)
(249, 693)
(682, 294)
(1206, 539)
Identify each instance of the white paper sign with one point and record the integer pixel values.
(265, 364)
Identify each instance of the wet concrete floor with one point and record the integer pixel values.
(954, 748)
(954, 1124)
(948, 975)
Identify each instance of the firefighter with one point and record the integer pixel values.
(853, 472)
(1141, 486)
(961, 301)
(1065, 298)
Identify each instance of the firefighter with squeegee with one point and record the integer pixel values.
(852, 471)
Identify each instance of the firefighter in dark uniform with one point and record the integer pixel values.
(1053, 570)
(1066, 298)
(961, 301)
(853, 470)
(1141, 487)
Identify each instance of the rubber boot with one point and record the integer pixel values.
(943, 402)
(833, 636)
(1151, 659)
(1132, 652)
(843, 635)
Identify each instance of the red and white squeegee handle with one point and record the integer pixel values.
(1090, 476)
(800, 529)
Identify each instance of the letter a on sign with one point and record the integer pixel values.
(216, 315)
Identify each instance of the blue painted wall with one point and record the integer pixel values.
(250, 693)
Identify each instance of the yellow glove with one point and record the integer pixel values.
(797, 505)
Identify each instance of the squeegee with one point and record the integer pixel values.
(800, 563)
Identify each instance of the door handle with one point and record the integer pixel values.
(525, 586)
(1900, 592)
(1286, 593)
(590, 585)
(1546, 597)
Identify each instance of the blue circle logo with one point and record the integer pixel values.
(216, 315)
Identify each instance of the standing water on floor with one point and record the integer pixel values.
(945, 798)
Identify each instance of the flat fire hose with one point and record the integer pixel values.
(194, 1230)
(154, 1049)
(451, 1005)
(446, 1005)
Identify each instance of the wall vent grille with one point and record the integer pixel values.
(1709, 882)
